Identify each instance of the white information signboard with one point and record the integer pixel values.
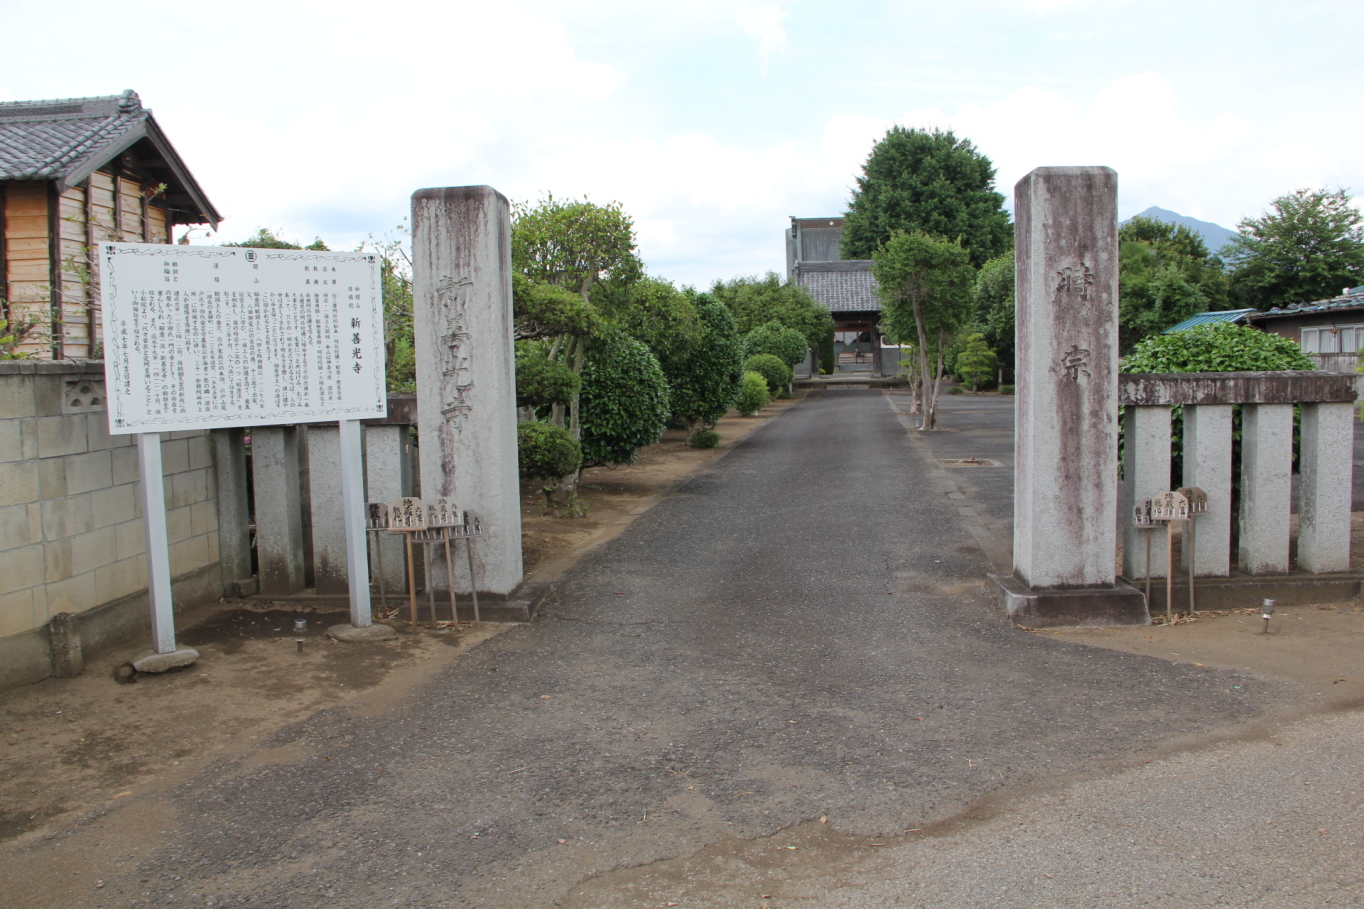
(205, 337)
(198, 337)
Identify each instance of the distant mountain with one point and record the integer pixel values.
(1215, 235)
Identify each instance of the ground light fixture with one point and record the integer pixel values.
(300, 629)
(1267, 613)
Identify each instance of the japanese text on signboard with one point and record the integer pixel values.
(198, 337)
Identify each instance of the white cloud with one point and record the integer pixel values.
(764, 25)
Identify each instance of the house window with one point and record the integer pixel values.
(1340, 339)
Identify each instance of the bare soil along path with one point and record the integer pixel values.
(804, 631)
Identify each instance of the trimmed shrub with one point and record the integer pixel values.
(546, 451)
(1216, 347)
(753, 395)
(624, 401)
(541, 382)
(786, 344)
(705, 438)
(706, 381)
(777, 373)
(1006, 389)
(954, 389)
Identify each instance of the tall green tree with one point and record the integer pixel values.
(265, 238)
(995, 306)
(1308, 247)
(1166, 275)
(755, 301)
(930, 181)
(926, 285)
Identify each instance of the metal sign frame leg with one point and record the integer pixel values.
(353, 509)
(165, 654)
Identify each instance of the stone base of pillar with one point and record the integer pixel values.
(1121, 604)
(518, 606)
(349, 634)
(1243, 591)
(165, 662)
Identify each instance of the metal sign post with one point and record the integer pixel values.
(353, 507)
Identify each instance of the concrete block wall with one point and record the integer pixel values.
(71, 535)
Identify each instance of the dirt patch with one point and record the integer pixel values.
(72, 746)
(1318, 646)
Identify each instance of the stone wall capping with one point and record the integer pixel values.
(1286, 387)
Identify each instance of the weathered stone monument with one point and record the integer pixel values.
(1066, 451)
(466, 402)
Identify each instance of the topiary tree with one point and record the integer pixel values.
(753, 394)
(548, 452)
(706, 381)
(786, 344)
(976, 363)
(776, 373)
(540, 381)
(623, 400)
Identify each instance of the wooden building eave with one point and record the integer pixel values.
(203, 210)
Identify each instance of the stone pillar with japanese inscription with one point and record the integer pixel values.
(1066, 436)
(466, 377)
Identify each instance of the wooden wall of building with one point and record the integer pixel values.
(42, 280)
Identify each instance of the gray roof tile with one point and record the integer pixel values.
(46, 140)
(844, 286)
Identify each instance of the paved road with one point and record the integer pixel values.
(802, 632)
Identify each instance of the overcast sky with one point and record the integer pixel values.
(712, 122)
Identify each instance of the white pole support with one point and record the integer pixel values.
(158, 547)
(353, 506)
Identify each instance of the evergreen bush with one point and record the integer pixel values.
(753, 394)
(624, 400)
(786, 344)
(706, 381)
(546, 451)
(777, 373)
(704, 438)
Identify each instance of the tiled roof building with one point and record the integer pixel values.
(75, 172)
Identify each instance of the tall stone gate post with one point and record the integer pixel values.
(466, 373)
(1066, 436)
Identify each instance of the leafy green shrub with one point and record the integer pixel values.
(546, 451)
(1216, 347)
(777, 373)
(706, 381)
(1006, 389)
(753, 394)
(954, 389)
(541, 381)
(624, 400)
(1213, 347)
(786, 344)
(705, 438)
